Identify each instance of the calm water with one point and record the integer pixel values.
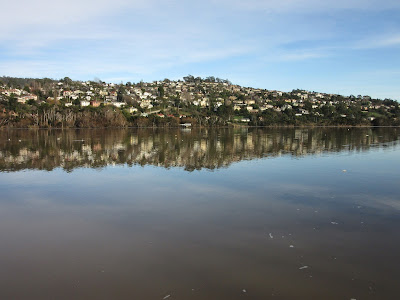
(207, 214)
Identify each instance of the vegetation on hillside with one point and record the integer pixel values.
(194, 101)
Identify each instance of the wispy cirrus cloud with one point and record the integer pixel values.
(18, 14)
(301, 56)
(308, 6)
(381, 41)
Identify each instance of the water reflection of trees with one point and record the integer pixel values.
(190, 149)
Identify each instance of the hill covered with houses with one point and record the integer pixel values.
(192, 101)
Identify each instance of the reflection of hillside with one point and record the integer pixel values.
(205, 148)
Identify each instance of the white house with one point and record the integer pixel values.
(85, 103)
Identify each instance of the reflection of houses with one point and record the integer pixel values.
(191, 149)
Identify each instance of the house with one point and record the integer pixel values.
(146, 104)
(84, 103)
(67, 94)
(118, 104)
(24, 98)
(95, 103)
(250, 102)
(111, 98)
(132, 110)
(304, 111)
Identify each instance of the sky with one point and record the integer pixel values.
(343, 46)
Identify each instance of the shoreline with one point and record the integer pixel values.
(198, 127)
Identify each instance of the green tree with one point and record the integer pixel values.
(121, 92)
(12, 103)
(31, 102)
(161, 91)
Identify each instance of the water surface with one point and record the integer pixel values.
(200, 214)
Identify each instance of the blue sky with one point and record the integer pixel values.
(343, 46)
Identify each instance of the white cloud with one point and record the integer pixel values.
(20, 13)
(301, 55)
(308, 6)
(381, 41)
(133, 55)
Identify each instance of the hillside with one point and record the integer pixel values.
(194, 101)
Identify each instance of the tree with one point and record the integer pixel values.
(31, 102)
(12, 103)
(161, 91)
(210, 79)
(66, 80)
(120, 94)
(308, 105)
(189, 78)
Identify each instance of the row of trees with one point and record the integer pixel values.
(198, 80)
(17, 114)
(46, 115)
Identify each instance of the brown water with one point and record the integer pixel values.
(207, 214)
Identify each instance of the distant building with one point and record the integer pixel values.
(95, 103)
(84, 103)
